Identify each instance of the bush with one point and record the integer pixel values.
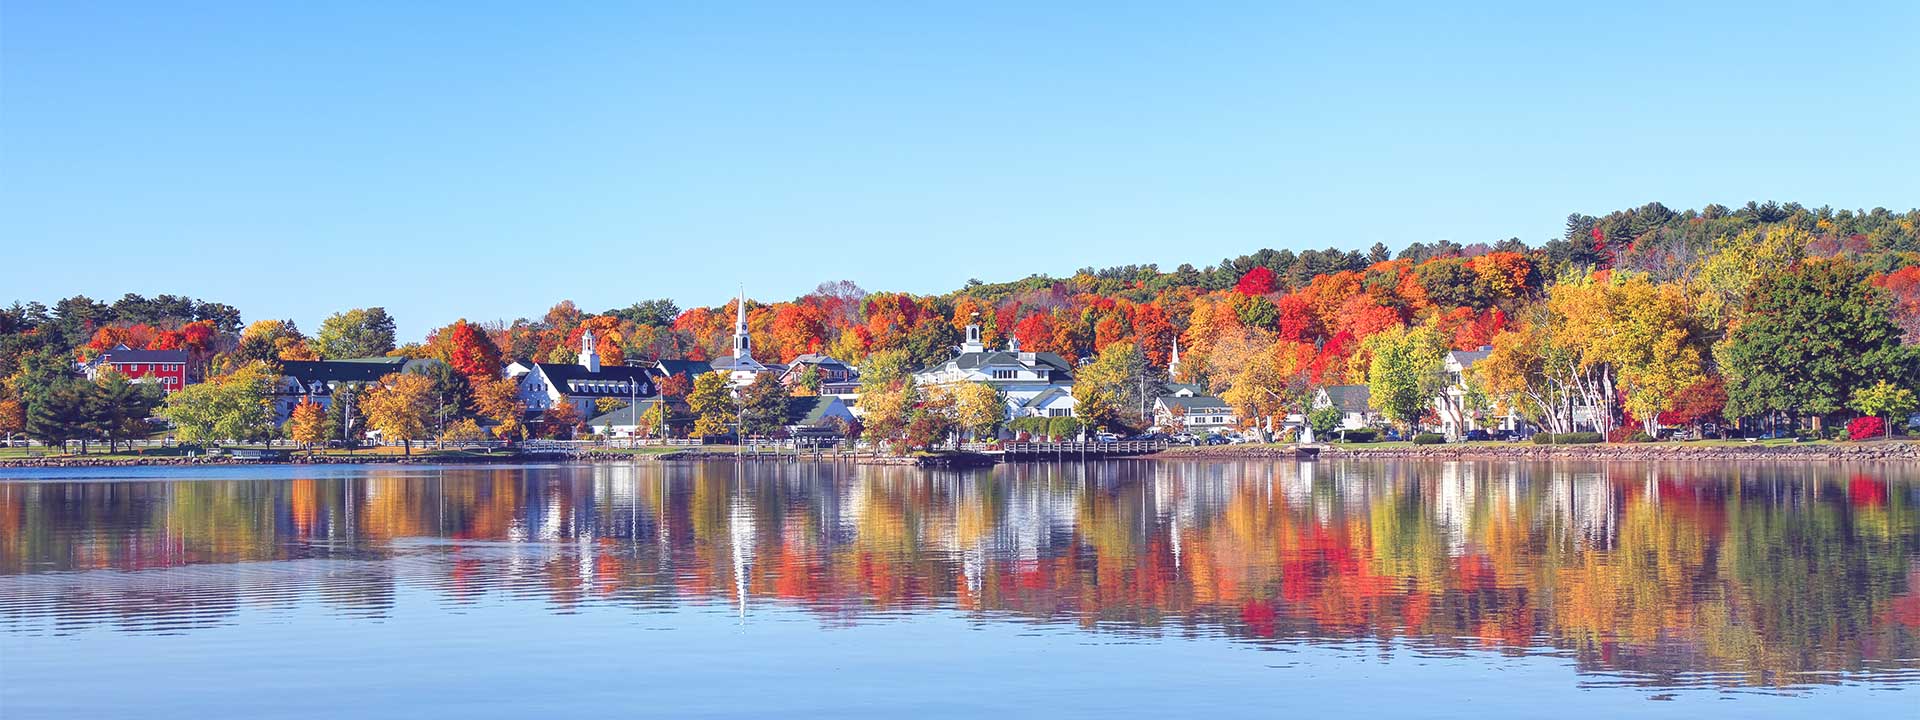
(1639, 437)
(1866, 428)
(1429, 439)
(1063, 427)
(1363, 435)
(1573, 438)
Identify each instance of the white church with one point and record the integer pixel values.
(740, 367)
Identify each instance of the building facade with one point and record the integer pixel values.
(166, 368)
(1034, 384)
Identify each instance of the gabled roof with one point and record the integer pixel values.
(1204, 403)
(578, 381)
(1466, 358)
(123, 354)
(741, 364)
(817, 359)
(1062, 371)
(356, 370)
(1044, 397)
(811, 410)
(1350, 398)
(1186, 389)
(691, 368)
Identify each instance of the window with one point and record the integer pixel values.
(1059, 412)
(1006, 374)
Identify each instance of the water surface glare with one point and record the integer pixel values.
(1135, 588)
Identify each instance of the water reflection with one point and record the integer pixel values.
(1655, 575)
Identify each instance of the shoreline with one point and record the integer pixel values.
(1881, 451)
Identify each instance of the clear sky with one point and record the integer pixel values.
(484, 160)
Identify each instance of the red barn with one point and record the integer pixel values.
(166, 367)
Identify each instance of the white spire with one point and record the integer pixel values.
(742, 342)
(589, 352)
(1173, 363)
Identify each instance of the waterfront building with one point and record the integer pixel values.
(1187, 406)
(546, 385)
(166, 368)
(740, 367)
(1035, 384)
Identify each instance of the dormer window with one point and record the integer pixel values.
(1006, 374)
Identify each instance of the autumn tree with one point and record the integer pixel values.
(469, 350)
(979, 409)
(1406, 373)
(1884, 400)
(356, 333)
(713, 405)
(309, 425)
(399, 406)
(561, 420)
(499, 402)
(763, 405)
(13, 419)
(237, 406)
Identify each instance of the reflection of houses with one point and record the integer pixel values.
(1187, 406)
(1034, 384)
(166, 368)
(1353, 401)
(836, 377)
(321, 379)
(546, 385)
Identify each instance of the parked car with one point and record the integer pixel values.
(1217, 440)
(1105, 437)
(1478, 436)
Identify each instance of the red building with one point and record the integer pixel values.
(166, 367)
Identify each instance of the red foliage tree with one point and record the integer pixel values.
(471, 352)
(1258, 281)
(1866, 428)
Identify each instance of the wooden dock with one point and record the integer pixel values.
(1075, 451)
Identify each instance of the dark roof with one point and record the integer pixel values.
(123, 354)
(809, 410)
(817, 359)
(1043, 397)
(1467, 358)
(730, 362)
(577, 380)
(358, 370)
(1197, 402)
(1062, 370)
(691, 368)
(1350, 398)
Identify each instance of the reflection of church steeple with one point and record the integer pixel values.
(742, 342)
(741, 531)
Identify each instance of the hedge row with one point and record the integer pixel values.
(1573, 438)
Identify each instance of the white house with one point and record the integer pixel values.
(545, 385)
(1354, 402)
(1034, 384)
(1456, 417)
(1188, 407)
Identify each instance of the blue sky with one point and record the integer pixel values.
(485, 160)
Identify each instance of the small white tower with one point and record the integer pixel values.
(1173, 361)
(973, 343)
(589, 353)
(742, 343)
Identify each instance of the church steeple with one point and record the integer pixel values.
(742, 342)
(1173, 362)
(589, 352)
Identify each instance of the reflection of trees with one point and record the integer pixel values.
(1649, 571)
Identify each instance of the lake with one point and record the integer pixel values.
(1118, 589)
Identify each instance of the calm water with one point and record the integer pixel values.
(1124, 589)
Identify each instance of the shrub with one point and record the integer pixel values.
(1063, 427)
(1543, 438)
(1429, 439)
(1363, 435)
(1639, 437)
(1866, 428)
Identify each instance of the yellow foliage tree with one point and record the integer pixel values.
(398, 407)
(309, 424)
